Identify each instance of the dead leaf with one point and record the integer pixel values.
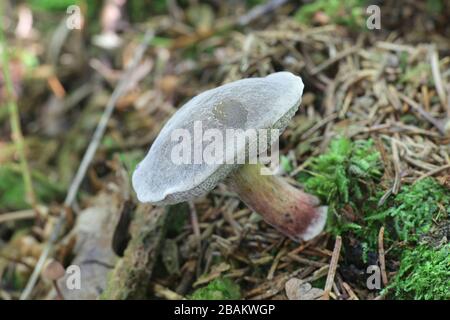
(93, 249)
(297, 289)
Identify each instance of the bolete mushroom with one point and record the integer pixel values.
(258, 104)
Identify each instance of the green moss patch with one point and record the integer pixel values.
(218, 289)
(345, 175)
(423, 274)
(413, 211)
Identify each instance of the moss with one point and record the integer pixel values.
(130, 160)
(12, 188)
(319, 283)
(345, 175)
(52, 5)
(218, 289)
(350, 13)
(140, 10)
(412, 212)
(411, 216)
(286, 164)
(434, 7)
(348, 175)
(178, 217)
(423, 274)
(161, 42)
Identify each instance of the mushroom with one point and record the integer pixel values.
(259, 104)
(53, 271)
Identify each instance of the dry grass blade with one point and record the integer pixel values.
(18, 215)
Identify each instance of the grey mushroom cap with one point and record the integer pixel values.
(254, 103)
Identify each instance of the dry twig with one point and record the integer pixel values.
(333, 267)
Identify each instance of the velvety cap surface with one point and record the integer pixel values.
(253, 103)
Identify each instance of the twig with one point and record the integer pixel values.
(259, 11)
(332, 268)
(275, 263)
(165, 293)
(434, 60)
(305, 261)
(350, 292)
(395, 47)
(121, 89)
(381, 256)
(397, 168)
(423, 113)
(194, 222)
(433, 172)
(324, 65)
(197, 234)
(318, 125)
(385, 196)
(228, 216)
(274, 286)
(17, 215)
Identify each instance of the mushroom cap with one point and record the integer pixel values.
(53, 270)
(253, 103)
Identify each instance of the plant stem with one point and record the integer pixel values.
(16, 129)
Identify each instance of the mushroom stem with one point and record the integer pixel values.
(59, 294)
(293, 212)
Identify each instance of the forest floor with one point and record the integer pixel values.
(371, 140)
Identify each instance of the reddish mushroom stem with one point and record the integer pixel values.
(59, 295)
(293, 212)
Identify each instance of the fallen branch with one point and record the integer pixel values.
(131, 276)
